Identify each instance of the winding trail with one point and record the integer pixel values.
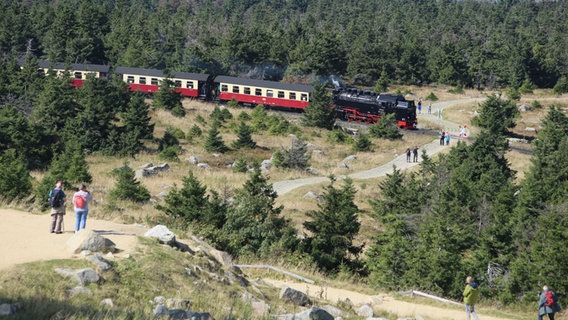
(283, 187)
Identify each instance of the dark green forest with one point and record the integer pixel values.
(461, 214)
(477, 44)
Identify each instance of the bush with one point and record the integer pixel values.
(194, 131)
(513, 94)
(200, 119)
(527, 87)
(240, 165)
(243, 116)
(561, 86)
(170, 153)
(178, 133)
(362, 143)
(339, 136)
(432, 97)
(536, 104)
(386, 128)
(233, 103)
(456, 90)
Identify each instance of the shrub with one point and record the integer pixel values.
(386, 128)
(240, 165)
(339, 136)
(170, 153)
(127, 187)
(513, 94)
(432, 97)
(456, 90)
(561, 86)
(362, 143)
(536, 104)
(243, 116)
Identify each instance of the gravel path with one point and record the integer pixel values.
(283, 187)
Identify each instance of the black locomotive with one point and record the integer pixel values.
(353, 104)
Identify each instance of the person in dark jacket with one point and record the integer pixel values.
(470, 298)
(544, 308)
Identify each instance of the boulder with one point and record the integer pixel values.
(203, 166)
(82, 276)
(350, 158)
(163, 234)
(293, 296)
(364, 311)
(90, 241)
(192, 160)
(100, 263)
(160, 311)
(314, 313)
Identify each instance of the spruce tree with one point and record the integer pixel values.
(333, 228)
(244, 137)
(136, 118)
(15, 179)
(319, 112)
(188, 203)
(214, 142)
(362, 143)
(496, 115)
(297, 157)
(167, 98)
(127, 187)
(253, 222)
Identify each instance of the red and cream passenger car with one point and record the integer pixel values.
(267, 93)
(148, 81)
(78, 72)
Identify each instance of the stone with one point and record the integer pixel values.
(107, 302)
(364, 311)
(350, 158)
(296, 297)
(82, 276)
(203, 166)
(100, 263)
(163, 234)
(79, 290)
(90, 241)
(192, 160)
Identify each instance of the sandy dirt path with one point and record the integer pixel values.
(383, 302)
(25, 237)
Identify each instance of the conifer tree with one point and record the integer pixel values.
(253, 219)
(167, 98)
(188, 203)
(496, 115)
(214, 142)
(333, 227)
(319, 112)
(362, 143)
(127, 187)
(244, 137)
(15, 179)
(136, 118)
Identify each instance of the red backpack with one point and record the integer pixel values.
(549, 299)
(79, 201)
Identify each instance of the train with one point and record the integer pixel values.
(351, 104)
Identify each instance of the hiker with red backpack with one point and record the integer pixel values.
(81, 200)
(547, 304)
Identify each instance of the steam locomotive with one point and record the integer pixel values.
(365, 106)
(351, 104)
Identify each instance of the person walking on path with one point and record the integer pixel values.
(447, 139)
(81, 201)
(408, 154)
(420, 106)
(57, 202)
(547, 304)
(442, 136)
(470, 298)
(430, 108)
(415, 153)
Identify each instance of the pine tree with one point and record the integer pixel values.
(127, 187)
(214, 142)
(386, 128)
(167, 98)
(244, 137)
(15, 179)
(319, 112)
(253, 222)
(333, 227)
(297, 156)
(188, 203)
(136, 118)
(362, 143)
(496, 115)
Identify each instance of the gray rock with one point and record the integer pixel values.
(107, 302)
(296, 297)
(350, 158)
(336, 312)
(179, 303)
(530, 129)
(141, 173)
(163, 234)
(192, 160)
(237, 278)
(343, 166)
(79, 290)
(267, 164)
(203, 166)
(82, 276)
(364, 311)
(161, 311)
(311, 195)
(313, 313)
(146, 165)
(7, 309)
(162, 194)
(100, 263)
(90, 241)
